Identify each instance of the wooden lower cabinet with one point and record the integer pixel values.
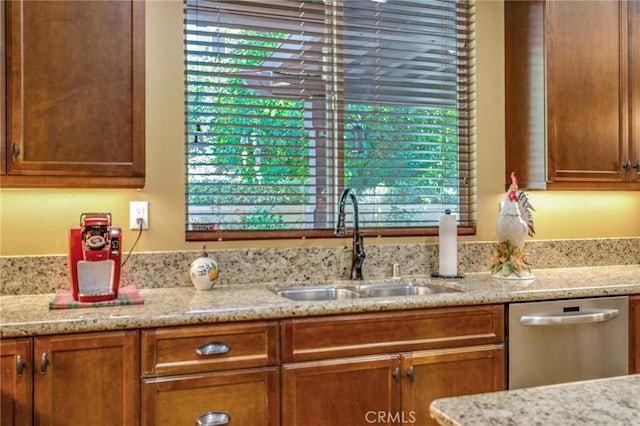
(87, 379)
(345, 391)
(16, 382)
(355, 369)
(220, 373)
(392, 365)
(244, 397)
(386, 389)
(634, 334)
(75, 379)
(430, 375)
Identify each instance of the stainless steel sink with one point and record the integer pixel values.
(401, 289)
(334, 292)
(311, 293)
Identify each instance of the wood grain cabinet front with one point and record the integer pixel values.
(434, 374)
(341, 391)
(76, 379)
(74, 85)
(215, 374)
(16, 382)
(572, 106)
(386, 368)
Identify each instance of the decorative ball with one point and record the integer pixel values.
(203, 271)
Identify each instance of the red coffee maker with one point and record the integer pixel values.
(95, 258)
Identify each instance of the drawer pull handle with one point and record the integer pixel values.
(213, 418)
(213, 348)
(44, 363)
(19, 365)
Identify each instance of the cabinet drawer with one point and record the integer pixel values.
(361, 334)
(184, 350)
(239, 397)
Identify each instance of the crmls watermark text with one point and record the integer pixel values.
(386, 417)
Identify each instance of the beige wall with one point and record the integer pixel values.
(34, 222)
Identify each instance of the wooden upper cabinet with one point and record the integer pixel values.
(634, 87)
(572, 94)
(75, 94)
(586, 91)
(524, 93)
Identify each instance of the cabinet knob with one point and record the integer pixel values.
(410, 374)
(396, 375)
(213, 348)
(19, 365)
(15, 151)
(637, 166)
(627, 165)
(44, 363)
(213, 418)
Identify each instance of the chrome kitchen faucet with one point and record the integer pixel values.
(358, 244)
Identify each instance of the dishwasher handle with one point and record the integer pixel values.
(584, 317)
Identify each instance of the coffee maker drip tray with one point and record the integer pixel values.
(95, 278)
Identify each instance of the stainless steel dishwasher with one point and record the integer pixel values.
(567, 340)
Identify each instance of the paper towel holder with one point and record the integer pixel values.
(447, 276)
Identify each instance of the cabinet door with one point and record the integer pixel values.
(525, 142)
(86, 379)
(239, 397)
(3, 91)
(587, 92)
(634, 90)
(15, 382)
(449, 372)
(634, 335)
(341, 392)
(75, 92)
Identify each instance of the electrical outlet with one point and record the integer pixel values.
(138, 210)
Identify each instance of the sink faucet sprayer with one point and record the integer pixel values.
(358, 244)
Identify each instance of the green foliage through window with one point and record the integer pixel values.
(282, 113)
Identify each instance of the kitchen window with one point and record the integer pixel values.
(289, 102)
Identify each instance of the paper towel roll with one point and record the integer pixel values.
(448, 239)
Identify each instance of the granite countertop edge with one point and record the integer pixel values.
(608, 401)
(30, 315)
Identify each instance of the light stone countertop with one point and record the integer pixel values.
(612, 401)
(30, 315)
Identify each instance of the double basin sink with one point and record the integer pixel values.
(342, 292)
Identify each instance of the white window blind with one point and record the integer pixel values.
(289, 102)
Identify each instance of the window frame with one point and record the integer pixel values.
(468, 176)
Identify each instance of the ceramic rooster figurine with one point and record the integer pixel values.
(514, 223)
